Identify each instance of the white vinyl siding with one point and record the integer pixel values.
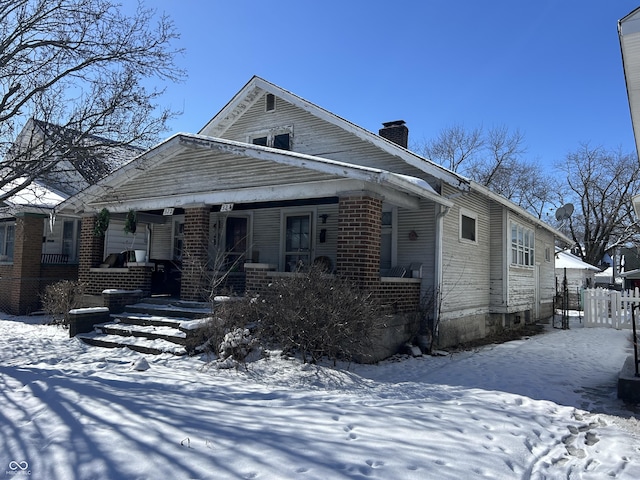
(465, 264)
(117, 241)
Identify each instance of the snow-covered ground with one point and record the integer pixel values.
(541, 408)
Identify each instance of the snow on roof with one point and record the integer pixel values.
(565, 259)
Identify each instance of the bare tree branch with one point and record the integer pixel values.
(83, 66)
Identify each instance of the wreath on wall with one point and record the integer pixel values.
(130, 223)
(102, 223)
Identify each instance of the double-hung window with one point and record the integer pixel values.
(522, 245)
(7, 241)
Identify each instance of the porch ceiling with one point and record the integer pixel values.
(191, 169)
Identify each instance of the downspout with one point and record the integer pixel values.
(442, 211)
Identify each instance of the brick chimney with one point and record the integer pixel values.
(395, 131)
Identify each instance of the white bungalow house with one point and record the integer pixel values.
(278, 183)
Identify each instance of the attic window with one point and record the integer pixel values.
(279, 137)
(271, 102)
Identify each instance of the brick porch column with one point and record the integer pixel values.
(91, 250)
(195, 253)
(27, 254)
(358, 243)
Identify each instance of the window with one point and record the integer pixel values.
(388, 241)
(297, 248)
(270, 102)
(547, 254)
(7, 240)
(522, 245)
(277, 138)
(178, 239)
(70, 239)
(468, 227)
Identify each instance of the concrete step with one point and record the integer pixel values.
(152, 332)
(151, 326)
(170, 309)
(138, 344)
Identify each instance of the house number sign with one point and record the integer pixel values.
(226, 207)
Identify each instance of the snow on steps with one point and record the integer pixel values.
(150, 327)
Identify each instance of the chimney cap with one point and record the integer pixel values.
(394, 123)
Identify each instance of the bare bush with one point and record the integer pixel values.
(317, 315)
(230, 314)
(61, 297)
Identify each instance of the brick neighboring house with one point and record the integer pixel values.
(38, 246)
(273, 182)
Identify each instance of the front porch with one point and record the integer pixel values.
(246, 247)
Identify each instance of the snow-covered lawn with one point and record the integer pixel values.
(541, 408)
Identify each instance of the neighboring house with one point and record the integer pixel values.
(577, 275)
(277, 182)
(38, 246)
(629, 36)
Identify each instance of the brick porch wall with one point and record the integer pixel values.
(195, 253)
(129, 278)
(358, 243)
(400, 295)
(91, 249)
(23, 289)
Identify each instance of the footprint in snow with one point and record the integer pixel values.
(375, 463)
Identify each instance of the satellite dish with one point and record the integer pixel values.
(564, 212)
(568, 209)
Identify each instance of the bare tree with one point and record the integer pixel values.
(494, 159)
(454, 146)
(85, 71)
(601, 183)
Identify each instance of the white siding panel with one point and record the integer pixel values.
(466, 265)
(266, 235)
(498, 257)
(116, 240)
(422, 249)
(161, 240)
(314, 136)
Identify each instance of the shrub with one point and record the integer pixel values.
(316, 315)
(58, 298)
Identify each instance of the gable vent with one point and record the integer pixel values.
(271, 102)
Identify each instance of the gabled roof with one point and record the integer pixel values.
(257, 86)
(268, 173)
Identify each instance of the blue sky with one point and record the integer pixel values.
(550, 68)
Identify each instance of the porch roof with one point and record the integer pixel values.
(191, 169)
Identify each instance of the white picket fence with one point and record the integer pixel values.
(610, 308)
